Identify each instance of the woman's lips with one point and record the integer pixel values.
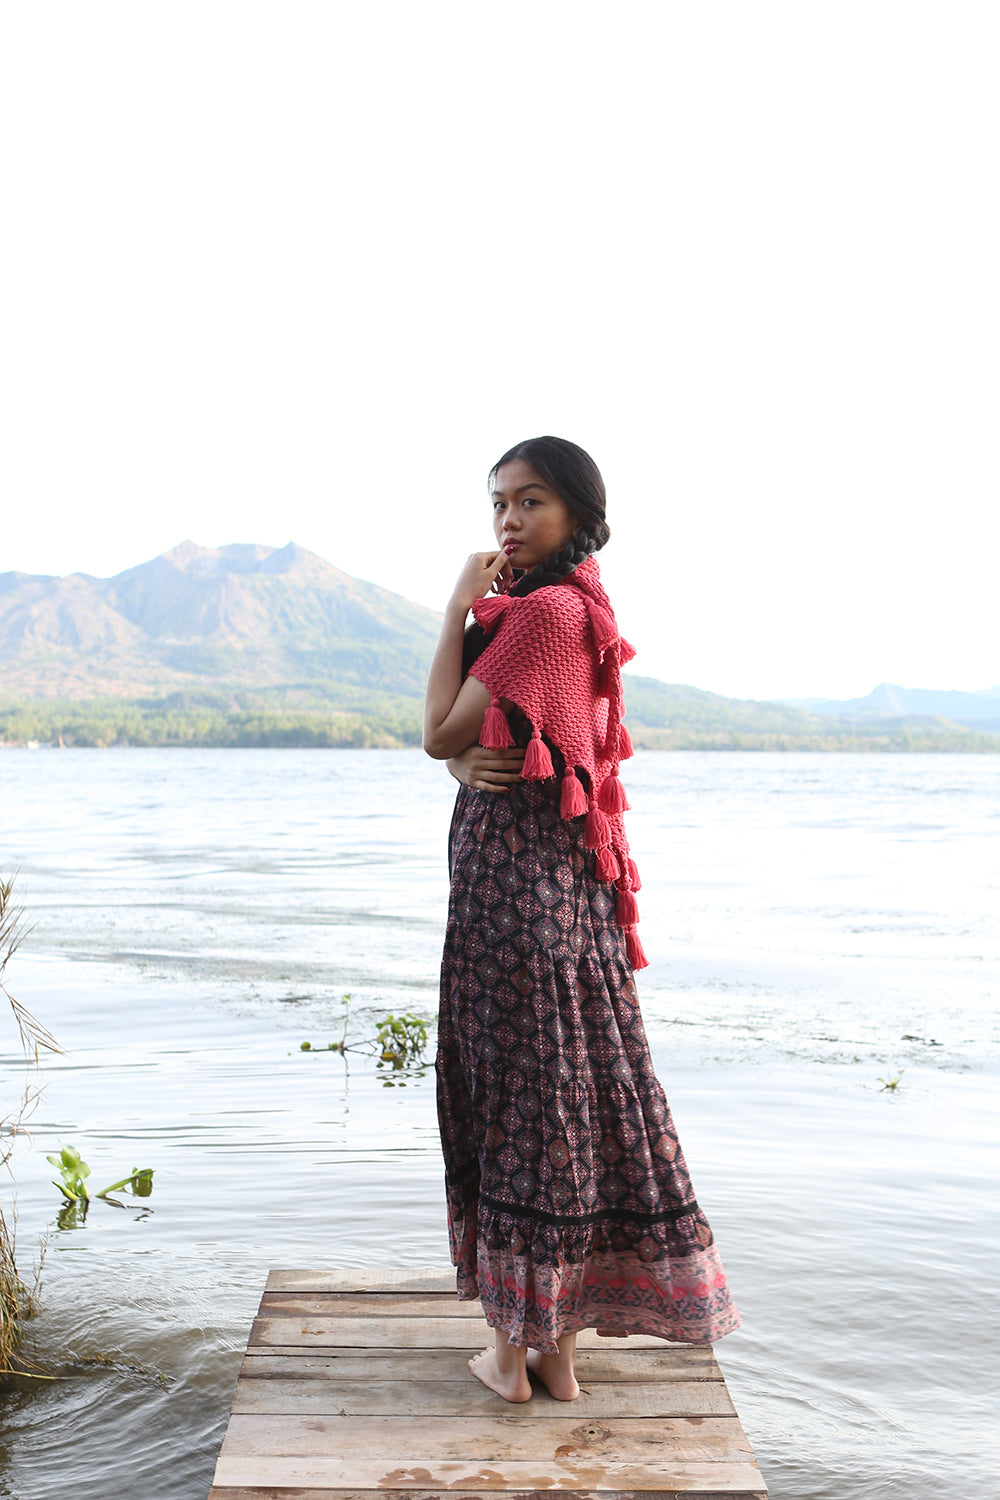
(510, 546)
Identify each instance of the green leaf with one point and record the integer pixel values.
(139, 1183)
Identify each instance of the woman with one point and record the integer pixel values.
(569, 1203)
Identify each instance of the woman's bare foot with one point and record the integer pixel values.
(555, 1371)
(510, 1381)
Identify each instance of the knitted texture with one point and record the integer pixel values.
(557, 654)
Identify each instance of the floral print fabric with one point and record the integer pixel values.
(569, 1200)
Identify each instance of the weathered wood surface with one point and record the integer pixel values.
(355, 1383)
(350, 1279)
(668, 1362)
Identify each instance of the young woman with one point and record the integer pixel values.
(569, 1202)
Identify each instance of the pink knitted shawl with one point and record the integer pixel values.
(557, 653)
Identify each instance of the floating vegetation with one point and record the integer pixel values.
(892, 1083)
(402, 1039)
(399, 1041)
(73, 1174)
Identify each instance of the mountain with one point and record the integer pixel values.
(976, 710)
(671, 706)
(251, 645)
(199, 617)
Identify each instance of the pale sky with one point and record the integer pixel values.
(302, 271)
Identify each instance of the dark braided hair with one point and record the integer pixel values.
(576, 479)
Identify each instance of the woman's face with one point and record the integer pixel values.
(529, 519)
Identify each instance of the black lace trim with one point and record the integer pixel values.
(617, 1215)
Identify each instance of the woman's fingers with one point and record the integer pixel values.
(478, 577)
(503, 580)
(488, 770)
(496, 770)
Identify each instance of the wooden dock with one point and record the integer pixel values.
(355, 1384)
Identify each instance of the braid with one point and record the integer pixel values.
(556, 567)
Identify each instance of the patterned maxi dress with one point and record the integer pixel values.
(569, 1201)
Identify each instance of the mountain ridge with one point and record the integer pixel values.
(978, 708)
(253, 644)
(243, 614)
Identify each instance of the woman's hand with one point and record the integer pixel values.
(487, 770)
(454, 708)
(482, 572)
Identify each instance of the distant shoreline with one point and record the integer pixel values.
(682, 743)
(217, 722)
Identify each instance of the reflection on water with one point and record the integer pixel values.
(201, 914)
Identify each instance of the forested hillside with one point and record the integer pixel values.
(248, 645)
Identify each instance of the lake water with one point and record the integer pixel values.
(815, 923)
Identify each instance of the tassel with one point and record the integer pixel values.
(611, 798)
(606, 676)
(626, 653)
(625, 750)
(537, 760)
(597, 829)
(488, 610)
(633, 948)
(603, 625)
(573, 801)
(627, 910)
(607, 865)
(635, 883)
(495, 733)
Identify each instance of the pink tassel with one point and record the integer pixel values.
(537, 760)
(606, 676)
(603, 625)
(607, 865)
(627, 910)
(626, 653)
(625, 750)
(611, 798)
(487, 611)
(495, 733)
(573, 800)
(633, 875)
(633, 948)
(597, 829)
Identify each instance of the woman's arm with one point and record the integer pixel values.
(454, 710)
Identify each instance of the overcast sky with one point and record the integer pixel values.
(302, 271)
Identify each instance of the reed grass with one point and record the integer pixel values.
(17, 1298)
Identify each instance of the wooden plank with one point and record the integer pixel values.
(456, 1331)
(390, 1473)
(295, 1492)
(448, 1398)
(352, 1279)
(370, 1305)
(668, 1363)
(490, 1438)
(355, 1384)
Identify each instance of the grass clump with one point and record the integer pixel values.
(17, 1300)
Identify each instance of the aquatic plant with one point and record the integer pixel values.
(74, 1171)
(17, 1300)
(402, 1039)
(12, 934)
(399, 1040)
(340, 1046)
(892, 1082)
